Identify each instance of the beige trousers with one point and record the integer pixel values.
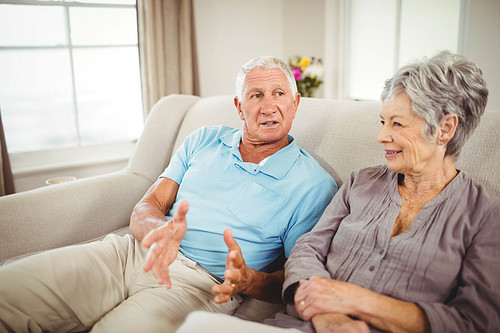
(220, 323)
(101, 287)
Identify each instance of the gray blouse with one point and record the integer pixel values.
(447, 261)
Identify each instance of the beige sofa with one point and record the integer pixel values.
(341, 135)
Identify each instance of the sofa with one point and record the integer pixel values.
(340, 135)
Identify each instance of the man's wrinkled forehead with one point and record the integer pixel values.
(260, 79)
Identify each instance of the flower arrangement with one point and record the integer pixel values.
(308, 74)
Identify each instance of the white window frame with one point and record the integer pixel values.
(40, 162)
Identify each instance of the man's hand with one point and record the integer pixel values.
(237, 275)
(163, 244)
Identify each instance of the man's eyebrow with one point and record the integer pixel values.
(259, 89)
(280, 85)
(252, 89)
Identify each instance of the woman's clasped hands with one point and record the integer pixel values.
(329, 304)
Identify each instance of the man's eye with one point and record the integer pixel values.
(280, 93)
(257, 95)
(397, 124)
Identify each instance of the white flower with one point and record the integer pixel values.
(315, 69)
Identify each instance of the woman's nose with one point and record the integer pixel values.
(383, 135)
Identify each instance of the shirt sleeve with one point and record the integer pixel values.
(179, 163)
(308, 257)
(475, 306)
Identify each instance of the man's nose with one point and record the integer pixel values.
(268, 105)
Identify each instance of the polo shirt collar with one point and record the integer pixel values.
(277, 165)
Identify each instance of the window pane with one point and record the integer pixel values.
(100, 26)
(108, 94)
(32, 25)
(428, 26)
(371, 50)
(35, 99)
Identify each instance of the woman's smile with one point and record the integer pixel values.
(392, 153)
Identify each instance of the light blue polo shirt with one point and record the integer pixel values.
(266, 206)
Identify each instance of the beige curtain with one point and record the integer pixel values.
(167, 49)
(6, 178)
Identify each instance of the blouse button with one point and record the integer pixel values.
(371, 268)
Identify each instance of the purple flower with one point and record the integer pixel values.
(296, 72)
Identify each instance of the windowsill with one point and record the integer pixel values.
(56, 159)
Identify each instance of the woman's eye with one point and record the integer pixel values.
(397, 124)
(382, 122)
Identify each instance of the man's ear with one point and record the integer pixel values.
(447, 128)
(296, 102)
(237, 103)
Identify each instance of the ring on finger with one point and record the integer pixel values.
(302, 303)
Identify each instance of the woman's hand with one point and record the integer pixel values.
(320, 295)
(237, 275)
(338, 323)
(163, 244)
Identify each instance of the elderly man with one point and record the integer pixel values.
(250, 193)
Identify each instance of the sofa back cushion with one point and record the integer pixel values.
(480, 156)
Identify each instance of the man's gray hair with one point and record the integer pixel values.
(264, 62)
(444, 84)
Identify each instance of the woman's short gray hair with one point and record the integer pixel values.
(265, 62)
(444, 84)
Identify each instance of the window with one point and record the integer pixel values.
(69, 73)
(384, 35)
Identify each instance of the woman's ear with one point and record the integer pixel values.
(447, 128)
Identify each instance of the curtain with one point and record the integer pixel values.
(167, 49)
(6, 178)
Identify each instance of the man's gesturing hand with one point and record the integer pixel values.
(237, 275)
(163, 244)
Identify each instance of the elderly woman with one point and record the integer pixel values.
(413, 245)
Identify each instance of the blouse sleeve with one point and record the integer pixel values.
(475, 306)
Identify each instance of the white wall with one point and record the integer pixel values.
(229, 33)
(303, 28)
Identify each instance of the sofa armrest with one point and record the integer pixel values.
(155, 147)
(69, 213)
